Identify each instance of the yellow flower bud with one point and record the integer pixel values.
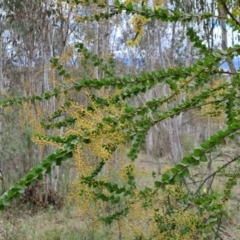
(204, 191)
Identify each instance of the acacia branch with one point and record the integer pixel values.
(229, 13)
(217, 171)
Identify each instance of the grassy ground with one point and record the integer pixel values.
(48, 225)
(66, 225)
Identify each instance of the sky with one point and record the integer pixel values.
(236, 62)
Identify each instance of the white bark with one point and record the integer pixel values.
(209, 166)
(222, 20)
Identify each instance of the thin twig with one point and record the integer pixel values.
(229, 13)
(214, 173)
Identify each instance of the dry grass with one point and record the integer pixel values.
(49, 225)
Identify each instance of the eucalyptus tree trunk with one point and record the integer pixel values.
(175, 145)
(149, 95)
(1, 120)
(36, 37)
(209, 164)
(96, 46)
(55, 41)
(174, 123)
(1, 64)
(222, 15)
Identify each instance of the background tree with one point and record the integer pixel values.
(164, 95)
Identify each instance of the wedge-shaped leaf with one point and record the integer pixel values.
(205, 145)
(11, 193)
(184, 173)
(195, 158)
(203, 158)
(195, 162)
(31, 176)
(197, 153)
(22, 182)
(21, 190)
(214, 148)
(46, 164)
(177, 178)
(1, 206)
(165, 177)
(175, 170)
(59, 161)
(158, 184)
(49, 169)
(186, 161)
(38, 170)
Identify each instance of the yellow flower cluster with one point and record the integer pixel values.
(99, 141)
(158, 3)
(137, 22)
(217, 115)
(236, 11)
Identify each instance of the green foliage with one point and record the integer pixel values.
(195, 79)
